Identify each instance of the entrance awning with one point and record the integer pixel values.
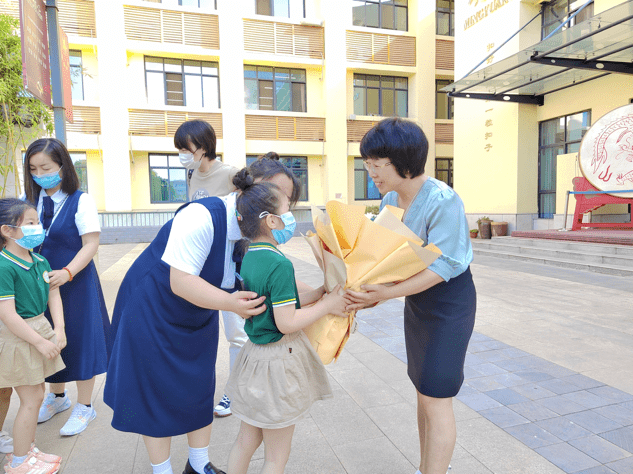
(595, 48)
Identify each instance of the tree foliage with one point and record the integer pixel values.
(22, 117)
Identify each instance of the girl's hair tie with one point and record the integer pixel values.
(238, 215)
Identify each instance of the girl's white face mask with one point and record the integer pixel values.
(187, 160)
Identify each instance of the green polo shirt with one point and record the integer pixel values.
(25, 282)
(268, 273)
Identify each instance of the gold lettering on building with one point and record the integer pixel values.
(482, 13)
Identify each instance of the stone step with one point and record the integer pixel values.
(586, 254)
(563, 245)
(616, 270)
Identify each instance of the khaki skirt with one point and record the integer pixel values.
(274, 385)
(20, 362)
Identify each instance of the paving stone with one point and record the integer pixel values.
(533, 391)
(587, 399)
(513, 353)
(470, 373)
(509, 380)
(558, 386)
(476, 347)
(498, 345)
(624, 466)
(599, 449)
(556, 370)
(503, 417)
(563, 428)
(492, 356)
(532, 411)
(532, 436)
(560, 405)
(622, 437)
(596, 470)
(478, 402)
(593, 421)
(489, 369)
(568, 458)
(611, 393)
(485, 384)
(506, 396)
(372, 455)
(582, 381)
(617, 413)
(532, 376)
(472, 359)
(516, 365)
(466, 389)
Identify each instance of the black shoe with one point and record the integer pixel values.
(208, 469)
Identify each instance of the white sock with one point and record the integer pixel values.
(17, 460)
(198, 458)
(163, 467)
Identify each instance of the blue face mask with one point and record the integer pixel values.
(284, 235)
(49, 180)
(33, 236)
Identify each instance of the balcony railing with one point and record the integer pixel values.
(171, 27)
(444, 54)
(283, 38)
(377, 48)
(164, 123)
(267, 127)
(76, 17)
(444, 133)
(356, 129)
(85, 120)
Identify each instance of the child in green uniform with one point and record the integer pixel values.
(29, 347)
(277, 375)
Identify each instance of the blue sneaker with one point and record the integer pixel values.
(223, 408)
(52, 405)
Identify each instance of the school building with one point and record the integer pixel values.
(523, 107)
(304, 78)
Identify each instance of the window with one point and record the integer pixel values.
(557, 137)
(275, 88)
(298, 165)
(381, 95)
(182, 82)
(444, 170)
(557, 11)
(168, 179)
(198, 3)
(445, 18)
(364, 187)
(81, 167)
(443, 103)
(388, 14)
(273, 7)
(76, 75)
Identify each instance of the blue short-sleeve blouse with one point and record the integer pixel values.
(437, 215)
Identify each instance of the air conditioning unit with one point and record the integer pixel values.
(311, 22)
(352, 117)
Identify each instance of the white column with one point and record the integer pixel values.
(232, 83)
(113, 104)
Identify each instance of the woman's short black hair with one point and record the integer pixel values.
(402, 141)
(199, 133)
(59, 154)
(11, 213)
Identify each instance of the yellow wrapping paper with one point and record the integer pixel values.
(353, 251)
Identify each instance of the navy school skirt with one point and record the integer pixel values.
(438, 324)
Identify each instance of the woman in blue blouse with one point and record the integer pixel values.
(439, 312)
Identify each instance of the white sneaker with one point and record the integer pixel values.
(6, 443)
(78, 421)
(52, 405)
(223, 408)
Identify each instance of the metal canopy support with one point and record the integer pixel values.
(521, 99)
(607, 66)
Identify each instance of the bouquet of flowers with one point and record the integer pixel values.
(353, 250)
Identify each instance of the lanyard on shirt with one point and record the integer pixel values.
(59, 208)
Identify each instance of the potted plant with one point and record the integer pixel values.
(499, 229)
(473, 233)
(484, 227)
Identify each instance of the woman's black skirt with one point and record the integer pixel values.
(438, 324)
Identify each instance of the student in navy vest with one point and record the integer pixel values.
(165, 326)
(71, 222)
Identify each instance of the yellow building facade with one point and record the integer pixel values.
(304, 78)
(515, 158)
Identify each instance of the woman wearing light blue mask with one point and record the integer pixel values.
(71, 224)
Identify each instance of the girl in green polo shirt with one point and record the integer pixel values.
(29, 346)
(277, 375)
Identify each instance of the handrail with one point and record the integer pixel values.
(588, 192)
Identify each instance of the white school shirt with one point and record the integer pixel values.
(86, 218)
(191, 238)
